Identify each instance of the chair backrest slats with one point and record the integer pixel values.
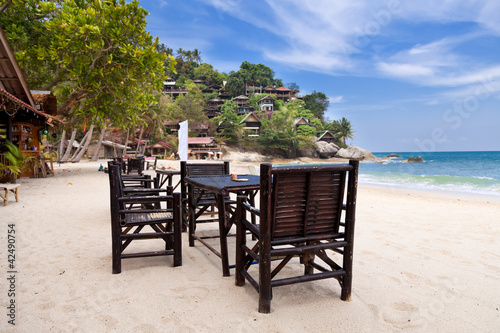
(306, 201)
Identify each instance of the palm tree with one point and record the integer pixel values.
(196, 56)
(344, 130)
(180, 53)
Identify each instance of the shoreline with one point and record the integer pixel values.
(240, 165)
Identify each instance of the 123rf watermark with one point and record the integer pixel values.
(11, 274)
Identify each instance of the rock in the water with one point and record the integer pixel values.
(325, 149)
(393, 156)
(415, 160)
(353, 152)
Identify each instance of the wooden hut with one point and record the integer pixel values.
(21, 120)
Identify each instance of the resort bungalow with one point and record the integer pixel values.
(326, 136)
(266, 103)
(300, 121)
(251, 125)
(204, 148)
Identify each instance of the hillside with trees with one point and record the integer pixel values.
(107, 72)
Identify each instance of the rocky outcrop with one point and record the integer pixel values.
(353, 152)
(392, 156)
(325, 149)
(414, 160)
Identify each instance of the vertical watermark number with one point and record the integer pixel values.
(11, 273)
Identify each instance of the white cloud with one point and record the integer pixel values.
(405, 71)
(339, 36)
(336, 99)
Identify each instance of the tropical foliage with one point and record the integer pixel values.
(95, 55)
(102, 64)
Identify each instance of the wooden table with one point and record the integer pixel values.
(165, 176)
(220, 186)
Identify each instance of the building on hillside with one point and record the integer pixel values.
(283, 94)
(201, 130)
(251, 125)
(198, 81)
(300, 121)
(215, 102)
(241, 100)
(266, 103)
(244, 109)
(327, 136)
(269, 90)
(211, 112)
(170, 88)
(171, 126)
(252, 89)
(204, 148)
(224, 96)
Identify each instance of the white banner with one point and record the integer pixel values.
(183, 140)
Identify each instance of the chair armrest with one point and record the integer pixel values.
(144, 190)
(251, 208)
(145, 199)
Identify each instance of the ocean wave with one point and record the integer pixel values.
(475, 185)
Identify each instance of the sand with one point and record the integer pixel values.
(423, 262)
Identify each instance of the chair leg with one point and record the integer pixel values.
(170, 240)
(265, 289)
(177, 244)
(117, 262)
(240, 242)
(308, 259)
(345, 294)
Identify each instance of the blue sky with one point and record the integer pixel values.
(409, 75)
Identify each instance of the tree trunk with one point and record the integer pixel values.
(80, 146)
(126, 142)
(137, 148)
(69, 147)
(99, 143)
(60, 149)
(82, 151)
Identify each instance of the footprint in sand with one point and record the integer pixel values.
(401, 315)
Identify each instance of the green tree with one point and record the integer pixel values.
(341, 129)
(278, 134)
(317, 102)
(306, 131)
(208, 73)
(236, 83)
(188, 106)
(95, 55)
(230, 129)
(258, 73)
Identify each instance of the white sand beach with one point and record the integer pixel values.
(423, 262)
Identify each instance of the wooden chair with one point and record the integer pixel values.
(151, 162)
(207, 204)
(301, 215)
(135, 180)
(143, 213)
(135, 164)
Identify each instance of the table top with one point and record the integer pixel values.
(224, 184)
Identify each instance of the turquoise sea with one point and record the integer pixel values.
(475, 172)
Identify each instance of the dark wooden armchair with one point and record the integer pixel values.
(136, 164)
(207, 203)
(143, 213)
(134, 180)
(304, 212)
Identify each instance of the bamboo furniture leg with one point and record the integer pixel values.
(14, 188)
